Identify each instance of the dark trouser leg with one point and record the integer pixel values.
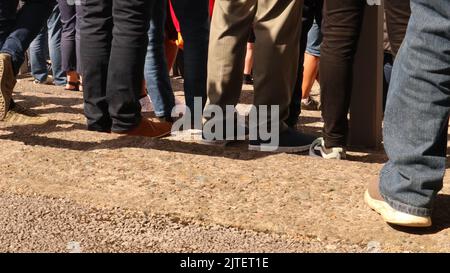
(27, 24)
(312, 9)
(194, 24)
(341, 28)
(68, 19)
(96, 36)
(126, 64)
(397, 18)
(8, 13)
(79, 18)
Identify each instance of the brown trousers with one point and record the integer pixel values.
(277, 25)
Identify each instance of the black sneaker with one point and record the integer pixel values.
(290, 141)
(248, 79)
(227, 138)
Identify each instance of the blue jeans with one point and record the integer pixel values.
(194, 24)
(48, 42)
(314, 40)
(156, 71)
(18, 29)
(417, 110)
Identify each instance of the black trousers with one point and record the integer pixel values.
(113, 56)
(312, 10)
(18, 28)
(341, 30)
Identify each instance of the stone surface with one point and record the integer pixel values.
(65, 189)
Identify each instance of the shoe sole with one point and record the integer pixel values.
(164, 135)
(266, 148)
(4, 103)
(18, 121)
(125, 134)
(218, 143)
(393, 216)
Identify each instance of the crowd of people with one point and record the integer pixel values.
(118, 51)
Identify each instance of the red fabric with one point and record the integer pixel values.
(174, 18)
(211, 7)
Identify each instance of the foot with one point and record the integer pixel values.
(310, 104)
(376, 202)
(318, 149)
(7, 83)
(19, 115)
(290, 141)
(148, 128)
(46, 82)
(72, 86)
(240, 133)
(248, 79)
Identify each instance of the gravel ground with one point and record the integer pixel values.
(63, 188)
(39, 224)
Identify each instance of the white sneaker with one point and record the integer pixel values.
(376, 202)
(318, 149)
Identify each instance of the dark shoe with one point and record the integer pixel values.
(227, 138)
(310, 104)
(248, 79)
(373, 198)
(292, 122)
(318, 149)
(7, 83)
(148, 128)
(19, 115)
(290, 141)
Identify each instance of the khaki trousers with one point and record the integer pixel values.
(277, 27)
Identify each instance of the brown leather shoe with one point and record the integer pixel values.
(148, 128)
(376, 202)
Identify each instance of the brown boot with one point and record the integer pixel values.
(7, 83)
(148, 128)
(375, 201)
(19, 115)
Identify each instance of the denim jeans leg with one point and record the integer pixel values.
(38, 56)
(194, 24)
(28, 23)
(416, 118)
(54, 27)
(156, 72)
(79, 17)
(68, 45)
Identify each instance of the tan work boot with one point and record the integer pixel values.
(7, 83)
(19, 115)
(148, 128)
(375, 201)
